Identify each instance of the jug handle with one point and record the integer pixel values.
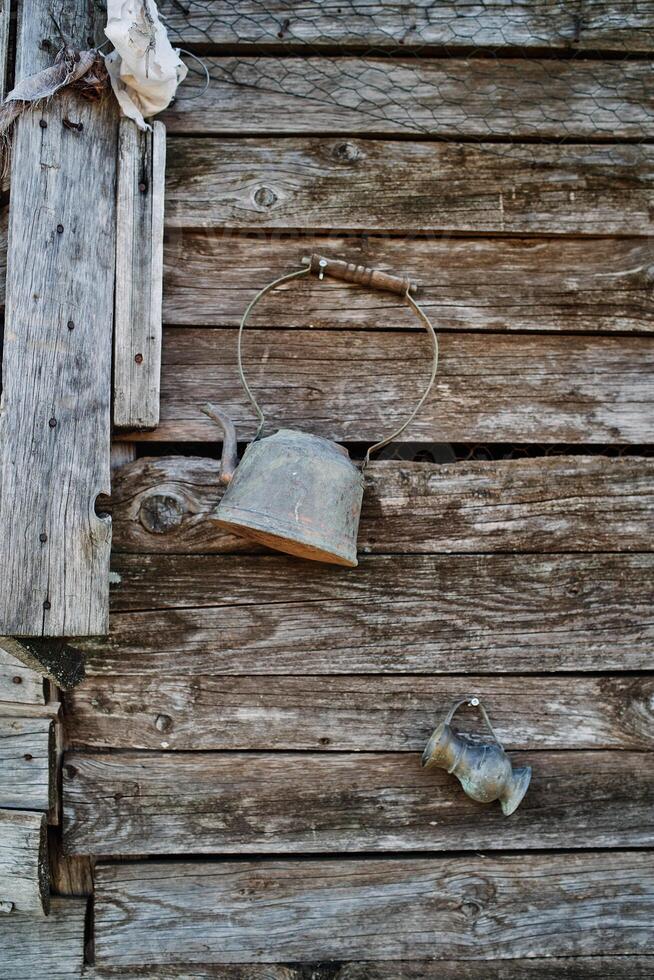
(229, 458)
(474, 702)
(375, 278)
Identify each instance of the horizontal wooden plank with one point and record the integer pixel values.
(146, 803)
(454, 98)
(468, 908)
(19, 683)
(554, 504)
(24, 878)
(51, 947)
(550, 968)
(482, 284)
(605, 26)
(350, 185)
(461, 614)
(384, 714)
(27, 763)
(356, 386)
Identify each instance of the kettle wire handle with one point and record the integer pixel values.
(348, 272)
(473, 702)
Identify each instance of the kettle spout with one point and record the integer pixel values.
(518, 786)
(229, 460)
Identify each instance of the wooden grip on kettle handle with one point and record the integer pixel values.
(361, 274)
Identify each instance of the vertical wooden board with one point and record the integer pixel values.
(139, 275)
(24, 876)
(27, 763)
(55, 422)
(307, 911)
(52, 949)
(19, 683)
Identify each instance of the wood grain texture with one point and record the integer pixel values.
(146, 803)
(491, 284)
(452, 98)
(619, 26)
(24, 878)
(338, 185)
(502, 614)
(27, 763)
(383, 714)
(54, 659)
(353, 386)
(139, 274)
(557, 504)
(306, 911)
(18, 683)
(54, 456)
(51, 947)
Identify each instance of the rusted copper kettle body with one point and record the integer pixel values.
(482, 767)
(293, 491)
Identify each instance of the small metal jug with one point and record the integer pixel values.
(482, 767)
(292, 491)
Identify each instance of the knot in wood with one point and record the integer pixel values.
(161, 513)
(265, 197)
(163, 723)
(347, 152)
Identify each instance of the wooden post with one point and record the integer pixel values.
(55, 416)
(139, 275)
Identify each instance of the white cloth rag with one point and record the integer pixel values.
(144, 68)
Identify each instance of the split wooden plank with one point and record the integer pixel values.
(305, 911)
(342, 185)
(54, 659)
(355, 386)
(482, 284)
(19, 683)
(503, 614)
(549, 968)
(549, 504)
(27, 763)
(139, 275)
(24, 876)
(384, 714)
(132, 804)
(33, 946)
(602, 25)
(54, 455)
(452, 98)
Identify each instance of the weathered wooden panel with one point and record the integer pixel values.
(265, 615)
(384, 714)
(477, 97)
(54, 455)
(601, 26)
(138, 803)
(483, 284)
(337, 185)
(139, 274)
(27, 763)
(19, 683)
(24, 879)
(355, 386)
(468, 908)
(51, 948)
(555, 504)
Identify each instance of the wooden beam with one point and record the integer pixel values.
(54, 455)
(605, 26)
(51, 947)
(139, 275)
(337, 185)
(24, 876)
(492, 284)
(452, 98)
(27, 763)
(166, 504)
(54, 659)
(503, 614)
(146, 803)
(372, 713)
(19, 683)
(308, 911)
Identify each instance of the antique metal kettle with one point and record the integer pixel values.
(292, 491)
(482, 766)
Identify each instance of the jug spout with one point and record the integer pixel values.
(514, 794)
(229, 459)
